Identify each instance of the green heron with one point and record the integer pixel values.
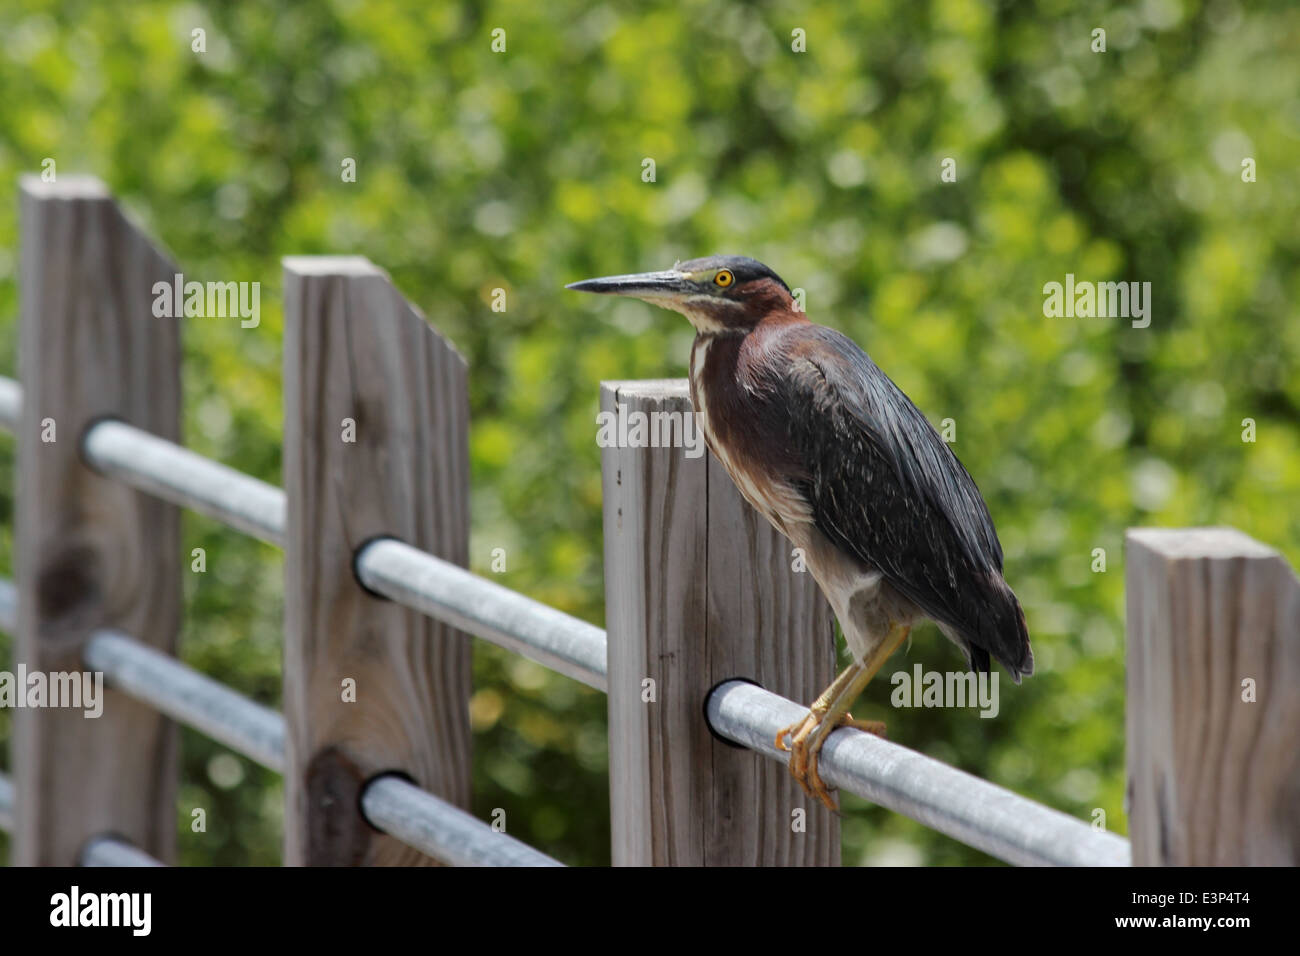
(839, 460)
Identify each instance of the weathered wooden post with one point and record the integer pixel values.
(91, 553)
(699, 589)
(376, 444)
(1213, 700)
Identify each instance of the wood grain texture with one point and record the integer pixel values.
(91, 553)
(355, 349)
(1213, 779)
(699, 589)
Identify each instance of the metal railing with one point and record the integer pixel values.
(391, 804)
(412, 577)
(997, 821)
(972, 810)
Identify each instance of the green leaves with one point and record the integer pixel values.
(523, 170)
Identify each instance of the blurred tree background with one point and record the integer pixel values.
(523, 170)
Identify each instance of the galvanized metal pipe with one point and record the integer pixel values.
(184, 694)
(11, 403)
(411, 577)
(419, 819)
(107, 851)
(445, 591)
(8, 606)
(172, 473)
(6, 804)
(974, 811)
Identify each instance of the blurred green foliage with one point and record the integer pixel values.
(522, 170)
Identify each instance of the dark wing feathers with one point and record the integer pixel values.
(885, 487)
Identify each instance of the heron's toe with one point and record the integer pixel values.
(876, 727)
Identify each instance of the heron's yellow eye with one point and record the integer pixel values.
(724, 278)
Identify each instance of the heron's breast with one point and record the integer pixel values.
(735, 437)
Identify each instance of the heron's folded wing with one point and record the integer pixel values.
(886, 488)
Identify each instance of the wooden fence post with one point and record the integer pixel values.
(1213, 700)
(376, 444)
(699, 588)
(91, 553)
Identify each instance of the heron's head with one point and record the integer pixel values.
(719, 294)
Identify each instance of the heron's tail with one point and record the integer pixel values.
(1002, 633)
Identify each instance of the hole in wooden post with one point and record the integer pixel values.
(383, 774)
(356, 563)
(85, 434)
(709, 696)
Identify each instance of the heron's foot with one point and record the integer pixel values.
(806, 740)
(803, 747)
(796, 730)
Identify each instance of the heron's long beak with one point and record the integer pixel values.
(644, 285)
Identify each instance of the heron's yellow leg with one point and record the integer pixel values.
(831, 710)
(800, 730)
